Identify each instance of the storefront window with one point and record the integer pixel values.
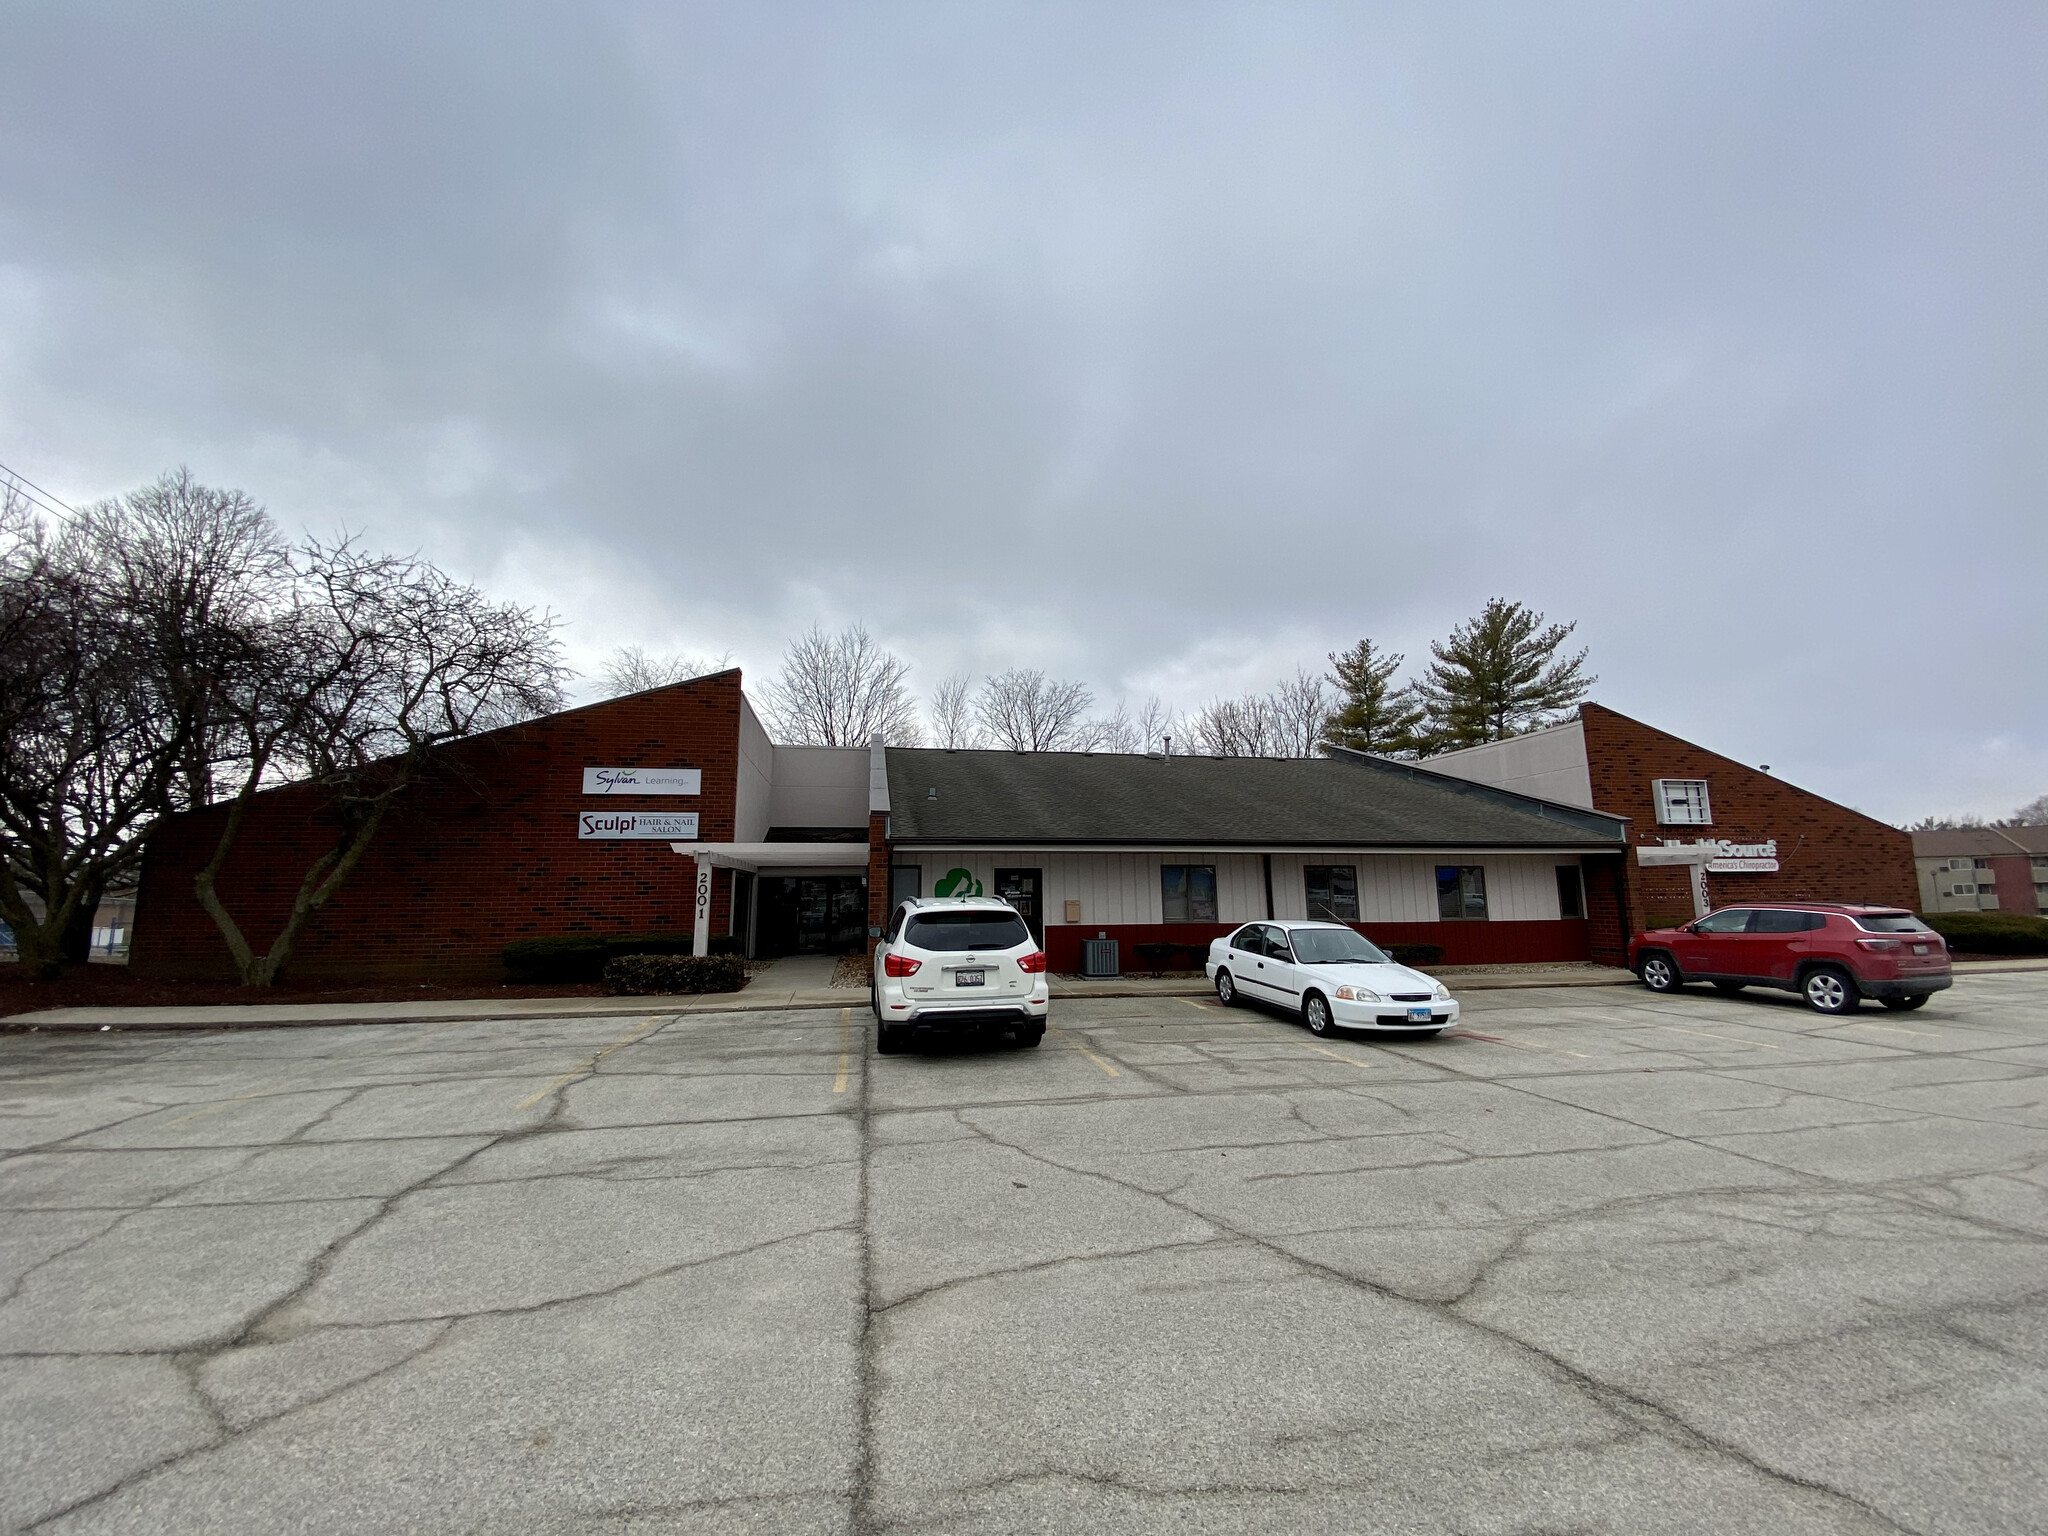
(1187, 893)
(1460, 891)
(1332, 891)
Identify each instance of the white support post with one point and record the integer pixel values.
(1701, 906)
(700, 939)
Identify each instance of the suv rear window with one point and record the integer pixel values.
(965, 930)
(1889, 922)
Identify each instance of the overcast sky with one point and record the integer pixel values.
(1164, 347)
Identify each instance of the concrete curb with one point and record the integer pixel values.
(457, 1010)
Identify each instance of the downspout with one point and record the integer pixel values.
(1267, 860)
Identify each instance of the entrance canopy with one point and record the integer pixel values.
(755, 857)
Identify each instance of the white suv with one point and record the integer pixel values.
(957, 963)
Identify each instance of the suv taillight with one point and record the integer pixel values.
(899, 965)
(1877, 944)
(1032, 963)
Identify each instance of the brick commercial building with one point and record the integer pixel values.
(1983, 869)
(523, 833)
(1763, 839)
(672, 811)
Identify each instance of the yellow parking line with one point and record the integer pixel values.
(1077, 1045)
(845, 1049)
(590, 1065)
(1337, 1056)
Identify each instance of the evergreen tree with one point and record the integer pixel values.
(1498, 675)
(1372, 715)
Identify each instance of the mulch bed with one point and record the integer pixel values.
(110, 986)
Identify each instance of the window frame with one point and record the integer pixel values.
(1462, 894)
(1188, 894)
(1308, 896)
(1662, 797)
(1577, 874)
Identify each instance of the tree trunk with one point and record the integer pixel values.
(321, 882)
(74, 946)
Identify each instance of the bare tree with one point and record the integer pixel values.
(117, 631)
(1114, 732)
(375, 666)
(1155, 725)
(2033, 814)
(1298, 709)
(632, 669)
(1025, 711)
(953, 722)
(841, 690)
(1242, 727)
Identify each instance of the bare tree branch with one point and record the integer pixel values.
(953, 721)
(1025, 711)
(840, 691)
(631, 669)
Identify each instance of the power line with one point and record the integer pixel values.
(37, 495)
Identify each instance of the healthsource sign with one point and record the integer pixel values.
(637, 825)
(643, 781)
(1718, 855)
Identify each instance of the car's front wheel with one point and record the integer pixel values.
(1659, 974)
(1226, 990)
(1830, 990)
(1315, 1012)
(1906, 1004)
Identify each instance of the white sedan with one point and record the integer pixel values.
(1331, 975)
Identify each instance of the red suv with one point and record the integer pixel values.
(1833, 956)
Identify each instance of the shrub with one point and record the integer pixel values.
(672, 975)
(582, 956)
(1990, 933)
(1414, 954)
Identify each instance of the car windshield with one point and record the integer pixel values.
(965, 930)
(1889, 922)
(1334, 946)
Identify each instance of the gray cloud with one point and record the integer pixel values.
(1162, 346)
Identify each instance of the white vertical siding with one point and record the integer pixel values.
(1123, 888)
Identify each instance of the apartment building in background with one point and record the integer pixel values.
(1983, 869)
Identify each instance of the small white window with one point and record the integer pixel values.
(1682, 802)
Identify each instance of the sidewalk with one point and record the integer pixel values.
(767, 993)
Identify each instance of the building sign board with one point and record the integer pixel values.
(1720, 856)
(658, 827)
(643, 781)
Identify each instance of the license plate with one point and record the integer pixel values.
(968, 978)
(1418, 1015)
(1919, 949)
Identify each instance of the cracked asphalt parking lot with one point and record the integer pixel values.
(1599, 1262)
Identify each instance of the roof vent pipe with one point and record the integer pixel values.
(932, 793)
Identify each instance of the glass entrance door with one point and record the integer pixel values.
(812, 914)
(1020, 888)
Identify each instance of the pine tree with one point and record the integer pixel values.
(1373, 715)
(1497, 676)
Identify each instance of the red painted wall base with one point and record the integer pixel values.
(1475, 943)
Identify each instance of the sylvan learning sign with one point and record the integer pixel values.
(641, 825)
(643, 781)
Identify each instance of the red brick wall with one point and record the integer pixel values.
(484, 853)
(2012, 877)
(1826, 852)
(878, 876)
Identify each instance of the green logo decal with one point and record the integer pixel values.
(957, 882)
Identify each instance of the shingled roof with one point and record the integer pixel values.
(1348, 800)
